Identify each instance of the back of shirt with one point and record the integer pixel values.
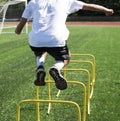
(49, 17)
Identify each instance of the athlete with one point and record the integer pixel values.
(49, 34)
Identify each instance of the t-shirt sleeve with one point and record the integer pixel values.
(75, 5)
(27, 13)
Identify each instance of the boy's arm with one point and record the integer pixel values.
(20, 25)
(94, 7)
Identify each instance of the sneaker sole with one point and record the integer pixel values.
(41, 80)
(60, 82)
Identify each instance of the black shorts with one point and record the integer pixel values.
(58, 53)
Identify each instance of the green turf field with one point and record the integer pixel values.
(17, 73)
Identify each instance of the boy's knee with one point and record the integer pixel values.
(66, 62)
(67, 59)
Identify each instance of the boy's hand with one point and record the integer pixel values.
(109, 12)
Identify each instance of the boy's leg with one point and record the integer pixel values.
(61, 55)
(60, 81)
(40, 72)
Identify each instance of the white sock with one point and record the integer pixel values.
(40, 60)
(59, 65)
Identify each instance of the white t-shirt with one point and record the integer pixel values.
(49, 17)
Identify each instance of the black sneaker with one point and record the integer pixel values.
(40, 77)
(60, 82)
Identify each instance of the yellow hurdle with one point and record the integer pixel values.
(88, 78)
(49, 101)
(84, 97)
(90, 59)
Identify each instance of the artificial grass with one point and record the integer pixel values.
(17, 73)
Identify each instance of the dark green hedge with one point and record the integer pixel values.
(114, 4)
(15, 11)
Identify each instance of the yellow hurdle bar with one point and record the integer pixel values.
(49, 94)
(48, 101)
(37, 104)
